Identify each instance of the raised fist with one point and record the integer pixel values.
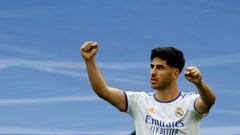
(193, 74)
(89, 49)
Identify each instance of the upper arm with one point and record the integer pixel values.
(116, 97)
(201, 107)
(206, 99)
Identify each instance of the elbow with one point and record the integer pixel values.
(213, 101)
(210, 101)
(102, 93)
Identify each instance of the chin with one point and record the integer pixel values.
(157, 87)
(154, 87)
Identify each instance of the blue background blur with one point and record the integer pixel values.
(43, 82)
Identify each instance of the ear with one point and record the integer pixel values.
(176, 73)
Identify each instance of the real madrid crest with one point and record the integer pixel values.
(179, 112)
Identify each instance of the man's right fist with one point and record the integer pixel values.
(89, 49)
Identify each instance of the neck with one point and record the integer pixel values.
(168, 93)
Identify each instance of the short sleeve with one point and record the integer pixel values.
(192, 97)
(192, 100)
(132, 101)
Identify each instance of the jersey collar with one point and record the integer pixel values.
(168, 101)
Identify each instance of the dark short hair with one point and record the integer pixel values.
(173, 56)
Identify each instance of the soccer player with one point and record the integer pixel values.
(167, 110)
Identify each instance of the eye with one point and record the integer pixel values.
(160, 67)
(151, 65)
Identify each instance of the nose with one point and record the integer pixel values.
(153, 71)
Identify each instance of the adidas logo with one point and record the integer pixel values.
(150, 110)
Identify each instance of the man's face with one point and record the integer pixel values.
(161, 75)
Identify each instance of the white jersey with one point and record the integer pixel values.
(154, 117)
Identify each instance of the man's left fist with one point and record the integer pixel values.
(193, 74)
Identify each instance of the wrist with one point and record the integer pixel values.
(89, 61)
(199, 83)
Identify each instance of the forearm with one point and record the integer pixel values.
(96, 79)
(206, 94)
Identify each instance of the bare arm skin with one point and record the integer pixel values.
(207, 98)
(113, 95)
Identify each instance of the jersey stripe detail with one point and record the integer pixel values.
(126, 102)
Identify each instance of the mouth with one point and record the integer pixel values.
(154, 81)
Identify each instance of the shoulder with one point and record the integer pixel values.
(135, 100)
(187, 95)
(189, 98)
(138, 94)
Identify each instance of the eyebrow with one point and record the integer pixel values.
(158, 65)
